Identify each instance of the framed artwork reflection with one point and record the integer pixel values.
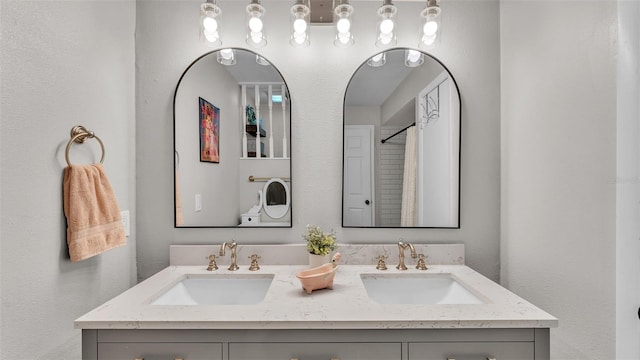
(209, 132)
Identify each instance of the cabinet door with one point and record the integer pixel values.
(315, 351)
(471, 351)
(159, 351)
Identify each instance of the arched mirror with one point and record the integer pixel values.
(276, 198)
(401, 154)
(232, 119)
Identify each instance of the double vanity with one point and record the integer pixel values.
(448, 311)
(402, 121)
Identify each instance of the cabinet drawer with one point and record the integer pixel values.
(315, 351)
(472, 351)
(159, 351)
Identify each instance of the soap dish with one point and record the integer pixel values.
(320, 277)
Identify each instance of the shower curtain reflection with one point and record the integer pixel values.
(408, 212)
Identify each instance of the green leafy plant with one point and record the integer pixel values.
(318, 242)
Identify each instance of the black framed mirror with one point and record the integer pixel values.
(401, 143)
(232, 122)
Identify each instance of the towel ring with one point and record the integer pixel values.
(78, 135)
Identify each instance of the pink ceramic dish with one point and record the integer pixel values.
(320, 277)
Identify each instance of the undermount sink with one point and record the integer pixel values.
(217, 290)
(417, 289)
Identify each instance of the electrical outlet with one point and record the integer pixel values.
(125, 222)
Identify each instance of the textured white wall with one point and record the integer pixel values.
(197, 83)
(559, 167)
(628, 182)
(317, 77)
(64, 63)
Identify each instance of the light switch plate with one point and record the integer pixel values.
(125, 222)
(198, 202)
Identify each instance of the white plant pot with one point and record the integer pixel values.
(318, 260)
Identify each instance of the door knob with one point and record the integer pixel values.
(366, 202)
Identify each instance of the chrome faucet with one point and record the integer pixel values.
(234, 257)
(401, 247)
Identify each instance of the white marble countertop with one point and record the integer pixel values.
(287, 306)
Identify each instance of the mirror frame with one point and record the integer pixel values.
(176, 158)
(344, 106)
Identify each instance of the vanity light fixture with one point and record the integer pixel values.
(226, 57)
(377, 60)
(386, 25)
(262, 61)
(300, 19)
(430, 25)
(344, 18)
(413, 58)
(209, 28)
(255, 24)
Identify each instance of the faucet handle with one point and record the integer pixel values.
(212, 263)
(254, 262)
(422, 264)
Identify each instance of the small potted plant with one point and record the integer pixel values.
(319, 245)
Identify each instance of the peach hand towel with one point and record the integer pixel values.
(178, 199)
(94, 224)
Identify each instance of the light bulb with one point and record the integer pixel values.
(430, 28)
(299, 23)
(262, 61)
(226, 53)
(385, 39)
(386, 26)
(299, 38)
(255, 24)
(211, 36)
(344, 37)
(256, 37)
(377, 60)
(413, 56)
(343, 25)
(429, 40)
(210, 24)
(299, 26)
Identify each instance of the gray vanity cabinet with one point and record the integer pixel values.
(307, 351)
(316, 344)
(472, 351)
(126, 344)
(165, 351)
